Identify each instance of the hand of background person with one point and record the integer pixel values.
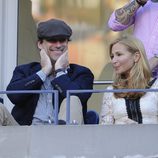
(63, 61)
(143, 1)
(153, 62)
(45, 62)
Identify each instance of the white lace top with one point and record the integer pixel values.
(114, 109)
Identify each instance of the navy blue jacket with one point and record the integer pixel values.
(25, 78)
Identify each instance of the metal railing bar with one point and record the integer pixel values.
(112, 90)
(101, 82)
(27, 91)
(68, 108)
(56, 106)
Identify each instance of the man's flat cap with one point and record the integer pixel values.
(53, 28)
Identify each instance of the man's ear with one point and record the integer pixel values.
(136, 57)
(39, 44)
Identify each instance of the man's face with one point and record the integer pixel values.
(54, 47)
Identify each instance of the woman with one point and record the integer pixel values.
(131, 71)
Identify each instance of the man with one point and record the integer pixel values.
(143, 14)
(52, 73)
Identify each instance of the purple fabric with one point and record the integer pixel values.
(145, 27)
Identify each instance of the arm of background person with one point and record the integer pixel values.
(123, 17)
(153, 62)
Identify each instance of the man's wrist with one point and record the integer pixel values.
(59, 70)
(42, 75)
(141, 3)
(46, 71)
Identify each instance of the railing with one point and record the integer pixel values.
(54, 92)
(96, 82)
(69, 92)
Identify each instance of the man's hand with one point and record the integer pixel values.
(63, 61)
(45, 62)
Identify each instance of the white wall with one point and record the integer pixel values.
(8, 42)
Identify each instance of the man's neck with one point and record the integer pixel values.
(155, 1)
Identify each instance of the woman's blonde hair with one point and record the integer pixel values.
(140, 74)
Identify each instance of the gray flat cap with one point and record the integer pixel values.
(53, 28)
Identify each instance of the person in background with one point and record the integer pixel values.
(52, 73)
(6, 119)
(131, 71)
(143, 15)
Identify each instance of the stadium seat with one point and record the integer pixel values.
(1, 100)
(92, 117)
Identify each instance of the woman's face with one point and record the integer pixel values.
(122, 59)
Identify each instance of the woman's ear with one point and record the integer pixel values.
(136, 57)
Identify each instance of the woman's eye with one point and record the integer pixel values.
(119, 54)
